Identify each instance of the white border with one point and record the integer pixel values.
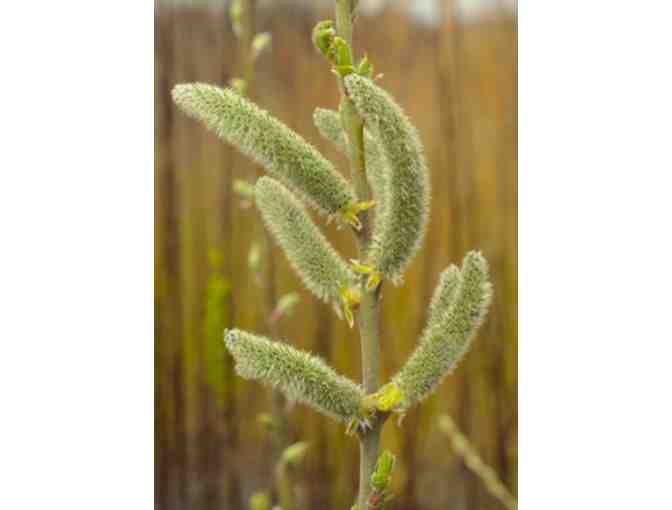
(595, 253)
(76, 376)
(76, 270)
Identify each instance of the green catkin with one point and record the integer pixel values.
(449, 333)
(282, 152)
(328, 123)
(407, 198)
(298, 374)
(321, 269)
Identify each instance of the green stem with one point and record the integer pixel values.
(368, 317)
(344, 10)
(369, 442)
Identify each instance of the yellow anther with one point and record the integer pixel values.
(388, 398)
(350, 298)
(349, 317)
(351, 295)
(374, 280)
(374, 276)
(358, 267)
(352, 219)
(364, 206)
(349, 213)
(352, 427)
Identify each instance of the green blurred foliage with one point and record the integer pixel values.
(217, 366)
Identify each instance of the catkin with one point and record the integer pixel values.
(406, 201)
(322, 270)
(298, 374)
(449, 332)
(282, 152)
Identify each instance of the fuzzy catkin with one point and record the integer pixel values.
(298, 374)
(407, 196)
(328, 123)
(321, 269)
(282, 152)
(448, 337)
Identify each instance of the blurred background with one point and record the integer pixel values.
(452, 66)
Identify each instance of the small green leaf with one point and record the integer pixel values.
(341, 54)
(365, 67)
(323, 35)
(380, 479)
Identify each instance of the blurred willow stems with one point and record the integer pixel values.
(473, 461)
(244, 19)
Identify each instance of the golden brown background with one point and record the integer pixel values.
(456, 79)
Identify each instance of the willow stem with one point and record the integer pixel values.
(368, 317)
